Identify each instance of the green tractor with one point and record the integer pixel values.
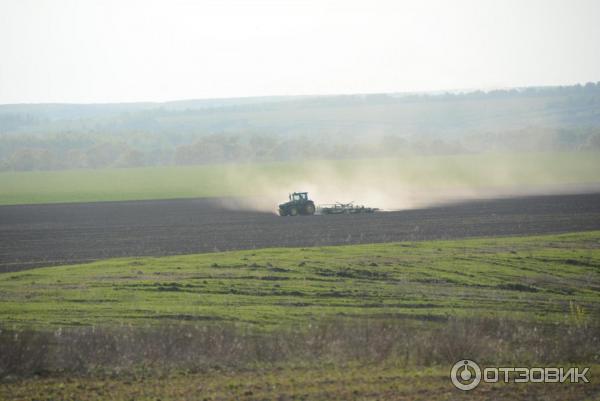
(299, 204)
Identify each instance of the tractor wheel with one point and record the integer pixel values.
(309, 210)
(282, 212)
(294, 211)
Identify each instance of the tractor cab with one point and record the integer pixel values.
(299, 197)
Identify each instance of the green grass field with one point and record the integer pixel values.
(466, 172)
(532, 278)
(328, 383)
(361, 322)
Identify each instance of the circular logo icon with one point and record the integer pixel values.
(465, 375)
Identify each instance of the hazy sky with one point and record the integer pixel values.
(105, 51)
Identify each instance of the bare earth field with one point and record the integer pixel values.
(40, 235)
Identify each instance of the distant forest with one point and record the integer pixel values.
(67, 136)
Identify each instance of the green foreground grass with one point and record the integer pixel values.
(328, 383)
(498, 171)
(539, 278)
(389, 322)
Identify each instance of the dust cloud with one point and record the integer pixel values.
(411, 183)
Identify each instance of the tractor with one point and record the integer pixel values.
(299, 204)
